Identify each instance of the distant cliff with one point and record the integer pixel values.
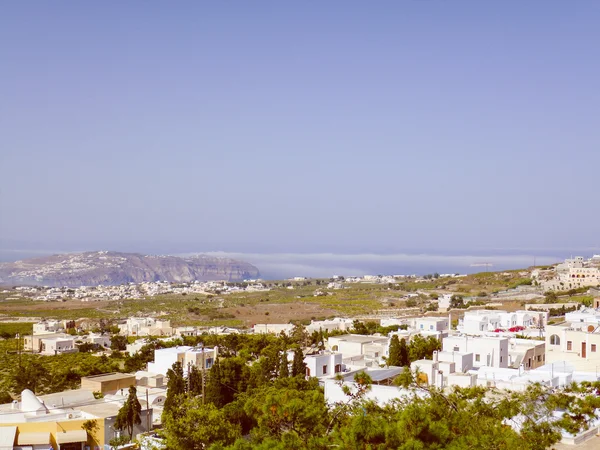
(112, 268)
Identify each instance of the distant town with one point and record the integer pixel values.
(541, 329)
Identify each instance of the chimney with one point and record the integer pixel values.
(435, 356)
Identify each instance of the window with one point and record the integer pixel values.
(338, 368)
(554, 340)
(501, 359)
(477, 358)
(593, 347)
(539, 358)
(456, 349)
(325, 369)
(569, 345)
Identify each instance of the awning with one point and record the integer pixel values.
(34, 438)
(67, 437)
(7, 437)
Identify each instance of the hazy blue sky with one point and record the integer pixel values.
(300, 126)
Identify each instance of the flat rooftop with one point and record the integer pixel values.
(66, 398)
(376, 374)
(109, 377)
(107, 407)
(360, 338)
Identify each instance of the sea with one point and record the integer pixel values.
(282, 265)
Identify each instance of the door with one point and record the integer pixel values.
(583, 349)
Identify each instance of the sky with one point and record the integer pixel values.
(275, 127)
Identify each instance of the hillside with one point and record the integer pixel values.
(113, 268)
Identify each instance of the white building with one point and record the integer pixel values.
(146, 326)
(324, 365)
(136, 346)
(360, 350)
(577, 340)
(481, 321)
(487, 351)
(101, 340)
(47, 326)
(273, 328)
(380, 394)
(186, 331)
(164, 358)
(393, 321)
(149, 379)
(463, 362)
(337, 324)
(222, 330)
(444, 302)
(434, 324)
(50, 344)
(58, 345)
(572, 274)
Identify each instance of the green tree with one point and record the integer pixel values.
(130, 413)
(91, 427)
(284, 368)
(214, 390)
(359, 327)
(118, 342)
(194, 381)
(422, 348)
(403, 351)
(291, 411)
(551, 297)
(30, 376)
(175, 387)
(196, 426)
(394, 357)
(298, 365)
(299, 335)
(457, 301)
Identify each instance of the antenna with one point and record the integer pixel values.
(487, 265)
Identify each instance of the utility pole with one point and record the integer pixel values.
(188, 382)
(203, 373)
(147, 412)
(18, 336)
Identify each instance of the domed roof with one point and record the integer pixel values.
(30, 403)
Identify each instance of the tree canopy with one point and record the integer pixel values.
(130, 413)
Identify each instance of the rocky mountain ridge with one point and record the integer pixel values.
(113, 268)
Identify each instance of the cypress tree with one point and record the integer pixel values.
(175, 387)
(130, 413)
(298, 366)
(214, 389)
(284, 369)
(394, 356)
(195, 381)
(404, 359)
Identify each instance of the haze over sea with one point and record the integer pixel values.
(325, 263)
